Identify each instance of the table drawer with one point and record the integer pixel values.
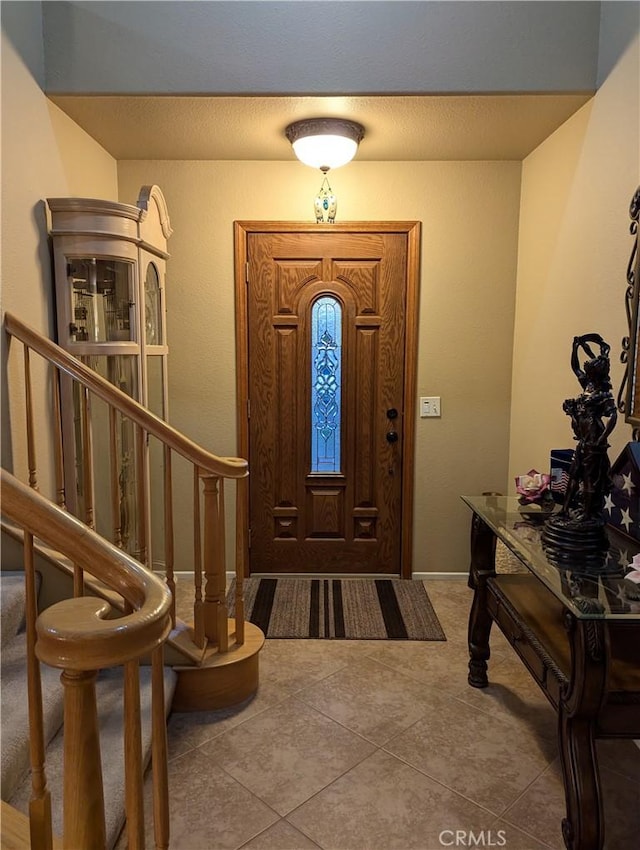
(517, 638)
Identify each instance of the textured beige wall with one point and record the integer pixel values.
(574, 248)
(44, 154)
(469, 215)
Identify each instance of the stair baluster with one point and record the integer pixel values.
(133, 756)
(57, 441)
(114, 477)
(168, 532)
(87, 455)
(40, 803)
(31, 447)
(159, 752)
(143, 514)
(199, 636)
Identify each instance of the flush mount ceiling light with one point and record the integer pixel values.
(325, 143)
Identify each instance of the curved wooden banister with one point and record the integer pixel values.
(81, 635)
(207, 463)
(73, 634)
(122, 474)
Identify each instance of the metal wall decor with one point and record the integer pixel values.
(629, 395)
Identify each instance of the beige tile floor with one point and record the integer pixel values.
(371, 745)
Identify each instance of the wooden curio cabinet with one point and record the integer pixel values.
(110, 266)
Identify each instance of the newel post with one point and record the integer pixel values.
(215, 603)
(84, 825)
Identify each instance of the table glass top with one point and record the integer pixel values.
(610, 591)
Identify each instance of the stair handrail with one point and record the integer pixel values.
(73, 633)
(75, 636)
(211, 622)
(211, 464)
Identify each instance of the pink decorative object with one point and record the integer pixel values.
(533, 487)
(634, 575)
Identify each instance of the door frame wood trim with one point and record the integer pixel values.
(412, 229)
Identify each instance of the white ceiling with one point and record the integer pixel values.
(401, 128)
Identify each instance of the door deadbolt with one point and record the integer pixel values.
(392, 413)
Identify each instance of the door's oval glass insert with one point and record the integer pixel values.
(326, 384)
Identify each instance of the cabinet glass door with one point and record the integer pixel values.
(110, 444)
(155, 385)
(152, 307)
(102, 300)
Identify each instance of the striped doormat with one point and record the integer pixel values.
(340, 609)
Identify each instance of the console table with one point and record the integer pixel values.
(578, 635)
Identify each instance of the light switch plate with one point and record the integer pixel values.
(429, 406)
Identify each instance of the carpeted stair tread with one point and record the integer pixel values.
(109, 690)
(15, 713)
(12, 598)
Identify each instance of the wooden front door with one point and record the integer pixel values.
(326, 356)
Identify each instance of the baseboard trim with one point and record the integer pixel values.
(440, 576)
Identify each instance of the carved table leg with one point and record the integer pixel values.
(583, 827)
(483, 550)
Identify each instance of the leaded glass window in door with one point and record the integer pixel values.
(326, 384)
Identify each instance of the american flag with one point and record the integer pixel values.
(622, 505)
(620, 574)
(560, 465)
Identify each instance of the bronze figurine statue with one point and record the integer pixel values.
(593, 417)
(578, 530)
